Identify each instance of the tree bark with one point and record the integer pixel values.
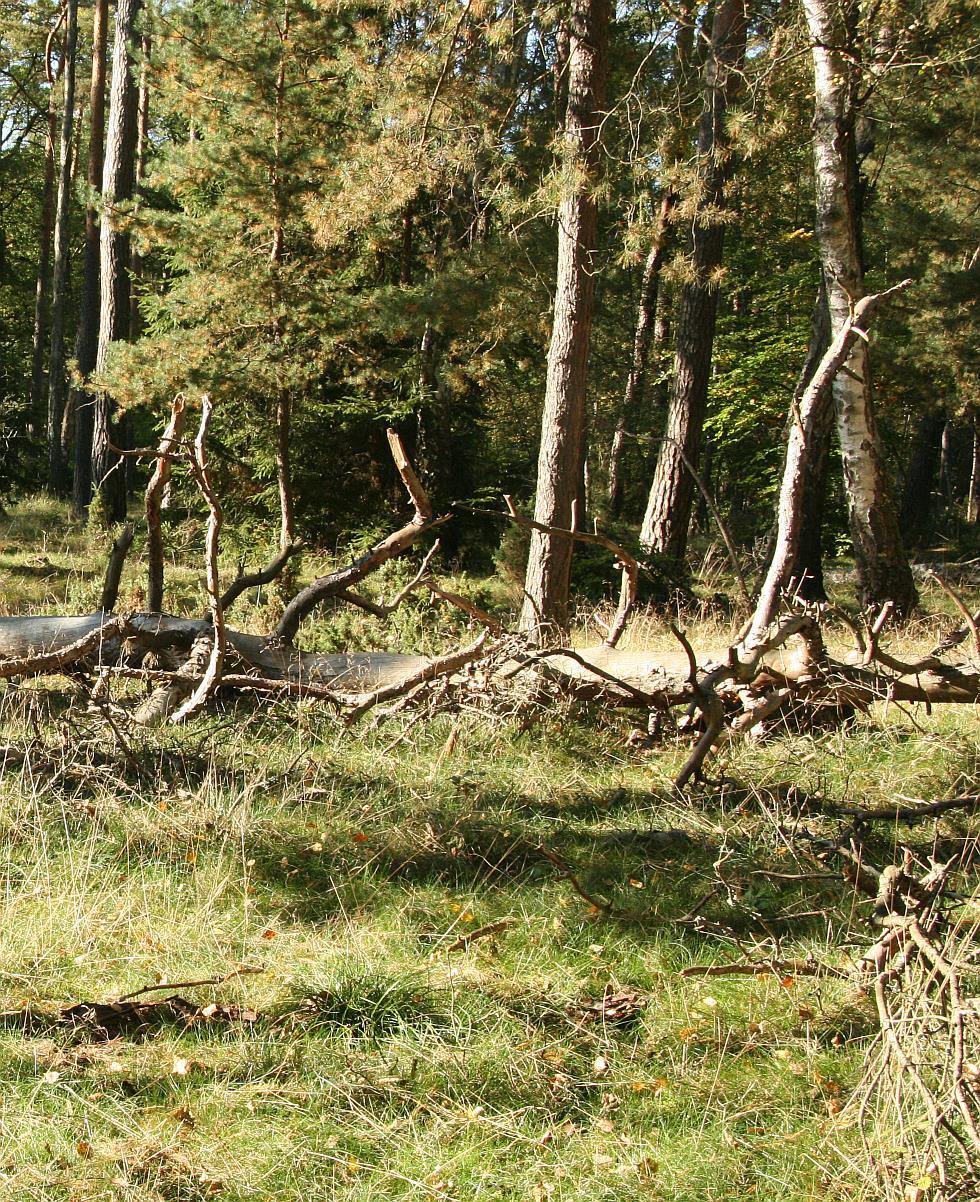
(561, 453)
(668, 513)
(883, 569)
(137, 267)
(43, 267)
(973, 498)
(86, 338)
(642, 337)
(799, 446)
(57, 380)
(118, 181)
(806, 576)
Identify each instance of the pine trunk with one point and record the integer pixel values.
(43, 267)
(883, 569)
(57, 379)
(118, 181)
(668, 513)
(137, 267)
(86, 337)
(561, 453)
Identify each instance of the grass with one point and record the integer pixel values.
(379, 1065)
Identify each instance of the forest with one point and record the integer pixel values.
(489, 600)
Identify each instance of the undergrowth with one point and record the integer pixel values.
(562, 1056)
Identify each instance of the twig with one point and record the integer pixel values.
(491, 928)
(764, 968)
(443, 666)
(245, 970)
(958, 601)
(596, 903)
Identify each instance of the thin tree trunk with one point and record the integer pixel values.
(945, 461)
(806, 575)
(57, 380)
(43, 267)
(561, 452)
(86, 338)
(883, 569)
(118, 181)
(636, 381)
(799, 444)
(137, 267)
(668, 513)
(287, 519)
(973, 497)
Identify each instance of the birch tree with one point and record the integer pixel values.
(882, 565)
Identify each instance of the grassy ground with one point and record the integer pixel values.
(561, 1058)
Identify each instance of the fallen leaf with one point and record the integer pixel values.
(83, 1149)
(600, 1065)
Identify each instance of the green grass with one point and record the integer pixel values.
(343, 865)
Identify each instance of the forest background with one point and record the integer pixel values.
(340, 217)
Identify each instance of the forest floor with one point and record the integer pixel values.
(425, 1005)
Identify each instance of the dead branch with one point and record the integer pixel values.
(339, 581)
(710, 705)
(764, 968)
(57, 660)
(490, 928)
(566, 871)
(114, 568)
(153, 502)
(972, 623)
(246, 580)
(384, 609)
(444, 666)
(199, 467)
(244, 970)
(902, 814)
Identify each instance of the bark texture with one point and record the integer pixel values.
(883, 569)
(806, 576)
(57, 380)
(668, 513)
(561, 453)
(41, 291)
(799, 448)
(86, 338)
(118, 182)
